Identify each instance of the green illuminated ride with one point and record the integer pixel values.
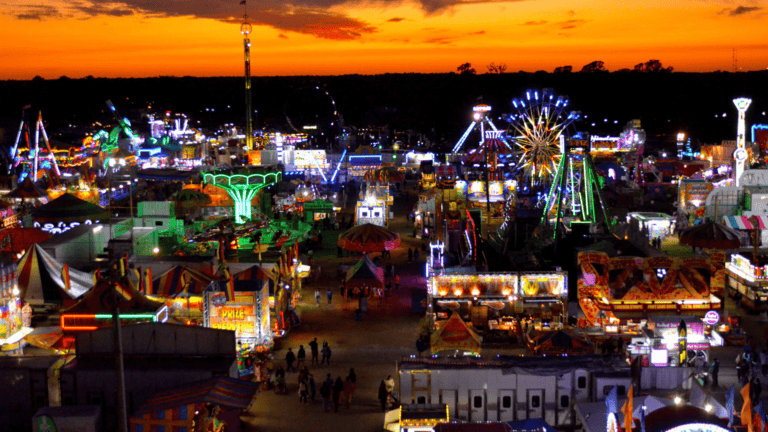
(242, 186)
(575, 192)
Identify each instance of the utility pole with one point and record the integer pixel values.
(122, 409)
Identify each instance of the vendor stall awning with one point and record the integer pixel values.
(743, 223)
(225, 392)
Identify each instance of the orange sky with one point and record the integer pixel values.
(140, 38)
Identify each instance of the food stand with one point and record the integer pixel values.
(748, 281)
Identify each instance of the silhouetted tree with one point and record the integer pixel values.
(466, 69)
(652, 66)
(564, 69)
(595, 66)
(496, 69)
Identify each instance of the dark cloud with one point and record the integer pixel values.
(440, 40)
(282, 36)
(481, 32)
(395, 19)
(35, 12)
(740, 10)
(534, 23)
(96, 9)
(571, 23)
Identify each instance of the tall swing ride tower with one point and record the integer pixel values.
(246, 29)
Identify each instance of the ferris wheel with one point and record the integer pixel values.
(312, 110)
(537, 126)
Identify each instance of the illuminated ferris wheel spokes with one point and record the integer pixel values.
(537, 126)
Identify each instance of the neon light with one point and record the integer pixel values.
(241, 189)
(71, 317)
(343, 154)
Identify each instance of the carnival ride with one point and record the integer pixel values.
(242, 186)
(481, 120)
(30, 160)
(538, 126)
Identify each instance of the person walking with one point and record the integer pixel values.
(383, 395)
(330, 295)
(326, 354)
(352, 377)
(714, 370)
(325, 393)
(347, 392)
(390, 390)
(415, 255)
(313, 349)
(329, 380)
(338, 387)
(303, 392)
(301, 356)
(317, 296)
(290, 357)
(410, 255)
(312, 388)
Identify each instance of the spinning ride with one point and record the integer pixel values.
(538, 126)
(30, 158)
(242, 186)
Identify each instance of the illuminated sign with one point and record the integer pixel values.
(698, 427)
(247, 315)
(543, 285)
(481, 108)
(310, 159)
(712, 317)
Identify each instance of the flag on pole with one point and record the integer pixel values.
(183, 281)
(729, 405)
(148, 282)
(123, 292)
(746, 409)
(65, 277)
(96, 276)
(221, 252)
(231, 288)
(612, 402)
(627, 408)
(760, 417)
(139, 281)
(123, 262)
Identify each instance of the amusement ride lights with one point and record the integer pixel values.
(740, 155)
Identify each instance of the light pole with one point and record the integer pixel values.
(740, 155)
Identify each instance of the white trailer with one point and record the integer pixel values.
(478, 389)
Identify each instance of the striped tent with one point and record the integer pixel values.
(174, 409)
(40, 279)
(179, 279)
(368, 238)
(743, 222)
(102, 298)
(254, 272)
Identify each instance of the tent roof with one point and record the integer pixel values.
(100, 299)
(455, 335)
(229, 393)
(365, 272)
(69, 208)
(40, 280)
(20, 239)
(27, 189)
(169, 284)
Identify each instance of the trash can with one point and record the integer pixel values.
(358, 315)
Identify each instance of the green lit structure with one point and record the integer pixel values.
(242, 186)
(575, 192)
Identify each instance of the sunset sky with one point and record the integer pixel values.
(145, 38)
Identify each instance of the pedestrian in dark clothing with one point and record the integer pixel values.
(329, 380)
(338, 251)
(352, 377)
(290, 357)
(755, 388)
(312, 388)
(330, 295)
(325, 392)
(303, 392)
(416, 255)
(715, 369)
(301, 356)
(338, 387)
(326, 354)
(383, 395)
(410, 255)
(313, 349)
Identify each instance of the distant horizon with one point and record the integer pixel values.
(143, 38)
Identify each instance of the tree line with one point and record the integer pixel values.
(651, 66)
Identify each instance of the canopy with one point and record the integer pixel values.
(27, 189)
(187, 198)
(744, 223)
(365, 274)
(40, 279)
(69, 208)
(560, 342)
(710, 235)
(226, 392)
(454, 335)
(179, 279)
(20, 239)
(101, 299)
(369, 238)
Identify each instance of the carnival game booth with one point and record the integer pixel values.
(362, 279)
(544, 296)
(211, 405)
(181, 289)
(617, 294)
(43, 280)
(748, 282)
(95, 309)
(456, 336)
(68, 211)
(241, 306)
